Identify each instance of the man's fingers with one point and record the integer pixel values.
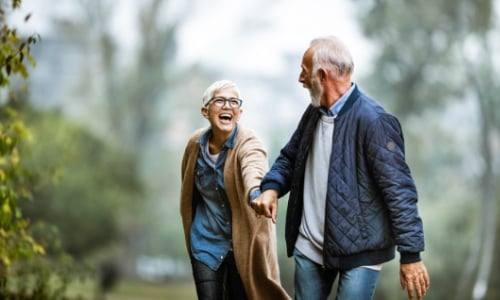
(409, 289)
(402, 282)
(266, 205)
(424, 285)
(415, 289)
(273, 213)
(415, 279)
(418, 289)
(269, 211)
(261, 210)
(427, 281)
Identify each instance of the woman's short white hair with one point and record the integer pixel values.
(217, 86)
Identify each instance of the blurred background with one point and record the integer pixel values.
(116, 91)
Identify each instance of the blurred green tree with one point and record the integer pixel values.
(93, 191)
(137, 106)
(16, 242)
(432, 56)
(25, 273)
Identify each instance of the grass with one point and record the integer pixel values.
(137, 290)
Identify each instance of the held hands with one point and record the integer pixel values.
(266, 204)
(414, 278)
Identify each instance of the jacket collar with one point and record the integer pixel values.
(350, 101)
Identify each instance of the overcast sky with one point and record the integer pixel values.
(219, 33)
(211, 34)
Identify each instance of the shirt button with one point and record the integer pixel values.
(222, 205)
(221, 257)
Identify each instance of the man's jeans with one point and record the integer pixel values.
(313, 282)
(225, 283)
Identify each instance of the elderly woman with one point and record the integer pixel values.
(233, 252)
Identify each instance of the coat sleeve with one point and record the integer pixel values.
(254, 164)
(254, 239)
(386, 157)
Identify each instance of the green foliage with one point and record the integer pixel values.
(25, 272)
(92, 191)
(85, 202)
(15, 243)
(43, 278)
(419, 45)
(14, 50)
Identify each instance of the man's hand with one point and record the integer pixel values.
(266, 204)
(414, 278)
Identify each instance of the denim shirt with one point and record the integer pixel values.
(210, 232)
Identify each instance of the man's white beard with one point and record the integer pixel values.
(316, 91)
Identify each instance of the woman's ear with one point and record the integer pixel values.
(239, 114)
(204, 112)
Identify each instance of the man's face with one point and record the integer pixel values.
(309, 80)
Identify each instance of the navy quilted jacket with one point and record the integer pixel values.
(371, 204)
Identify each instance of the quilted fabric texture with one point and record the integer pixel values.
(371, 204)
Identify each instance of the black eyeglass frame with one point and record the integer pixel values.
(226, 100)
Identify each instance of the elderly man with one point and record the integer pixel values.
(352, 198)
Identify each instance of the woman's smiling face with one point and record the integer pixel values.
(223, 119)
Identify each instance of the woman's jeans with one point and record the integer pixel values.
(313, 282)
(225, 283)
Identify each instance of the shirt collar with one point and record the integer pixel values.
(203, 140)
(337, 106)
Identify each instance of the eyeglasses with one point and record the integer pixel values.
(221, 101)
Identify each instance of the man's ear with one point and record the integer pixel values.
(322, 74)
(204, 112)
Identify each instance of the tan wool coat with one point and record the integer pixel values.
(254, 239)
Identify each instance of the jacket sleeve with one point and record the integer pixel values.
(280, 175)
(386, 157)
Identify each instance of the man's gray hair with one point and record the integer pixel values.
(331, 54)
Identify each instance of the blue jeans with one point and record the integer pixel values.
(313, 282)
(225, 283)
